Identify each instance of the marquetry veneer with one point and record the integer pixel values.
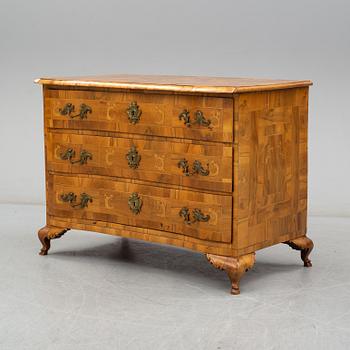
(216, 165)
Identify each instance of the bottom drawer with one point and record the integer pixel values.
(200, 215)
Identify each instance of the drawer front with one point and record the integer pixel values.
(200, 215)
(191, 117)
(202, 166)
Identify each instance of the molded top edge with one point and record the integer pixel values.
(193, 84)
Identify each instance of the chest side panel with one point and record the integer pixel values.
(270, 170)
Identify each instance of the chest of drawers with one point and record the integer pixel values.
(216, 165)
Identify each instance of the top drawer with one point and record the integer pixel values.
(180, 116)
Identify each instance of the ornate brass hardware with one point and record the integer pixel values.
(185, 213)
(71, 198)
(197, 168)
(196, 213)
(135, 203)
(198, 118)
(199, 216)
(69, 154)
(134, 112)
(69, 109)
(133, 158)
(185, 115)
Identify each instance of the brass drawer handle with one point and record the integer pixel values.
(135, 203)
(196, 213)
(69, 109)
(71, 198)
(133, 158)
(198, 119)
(69, 154)
(134, 112)
(197, 168)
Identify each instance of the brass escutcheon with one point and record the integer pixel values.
(133, 158)
(134, 112)
(135, 203)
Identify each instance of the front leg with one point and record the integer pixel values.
(305, 245)
(234, 267)
(46, 234)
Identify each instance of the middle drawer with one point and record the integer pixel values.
(185, 163)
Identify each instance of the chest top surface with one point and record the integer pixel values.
(218, 85)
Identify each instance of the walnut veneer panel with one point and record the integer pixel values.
(160, 113)
(145, 234)
(174, 83)
(270, 170)
(160, 206)
(158, 160)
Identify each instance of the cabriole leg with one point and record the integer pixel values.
(305, 245)
(234, 267)
(46, 234)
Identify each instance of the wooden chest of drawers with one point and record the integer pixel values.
(217, 165)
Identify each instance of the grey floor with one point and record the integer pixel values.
(102, 292)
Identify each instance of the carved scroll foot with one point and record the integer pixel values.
(305, 245)
(46, 234)
(234, 267)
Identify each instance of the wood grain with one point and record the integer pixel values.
(160, 113)
(270, 170)
(145, 234)
(160, 206)
(46, 234)
(158, 163)
(305, 245)
(183, 84)
(234, 267)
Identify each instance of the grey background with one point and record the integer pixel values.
(104, 292)
(277, 39)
